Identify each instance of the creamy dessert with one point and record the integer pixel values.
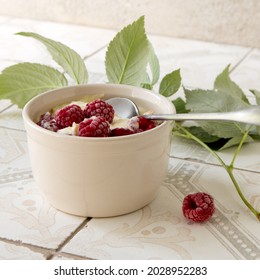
(92, 118)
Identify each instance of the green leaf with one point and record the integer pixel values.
(146, 82)
(223, 129)
(257, 95)
(205, 101)
(255, 132)
(22, 81)
(199, 100)
(153, 68)
(202, 134)
(147, 86)
(170, 83)
(154, 65)
(67, 58)
(235, 141)
(127, 55)
(180, 105)
(225, 84)
(257, 98)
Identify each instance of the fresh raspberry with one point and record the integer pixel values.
(145, 124)
(121, 132)
(94, 127)
(48, 122)
(99, 108)
(66, 116)
(140, 123)
(46, 117)
(198, 207)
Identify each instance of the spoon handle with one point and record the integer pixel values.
(243, 116)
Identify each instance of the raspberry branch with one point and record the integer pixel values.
(182, 132)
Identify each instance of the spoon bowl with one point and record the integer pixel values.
(126, 108)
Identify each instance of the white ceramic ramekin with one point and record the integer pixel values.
(98, 177)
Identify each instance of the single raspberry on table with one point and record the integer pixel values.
(99, 108)
(67, 115)
(94, 127)
(198, 207)
(121, 132)
(48, 122)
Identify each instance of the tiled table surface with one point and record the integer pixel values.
(31, 229)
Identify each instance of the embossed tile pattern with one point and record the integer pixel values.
(33, 229)
(158, 231)
(10, 251)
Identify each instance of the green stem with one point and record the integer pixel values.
(249, 206)
(239, 148)
(191, 136)
(229, 168)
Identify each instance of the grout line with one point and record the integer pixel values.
(233, 68)
(11, 128)
(49, 253)
(35, 248)
(194, 160)
(95, 52)
(6, 108)
(68, 255)
(11, 60)
(68, 238)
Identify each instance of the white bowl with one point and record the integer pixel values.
(98, 177)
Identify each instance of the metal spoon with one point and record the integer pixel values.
(126, 108)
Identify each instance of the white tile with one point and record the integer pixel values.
(14, 252)
(84, 40)
(96, 78)
(188, 149)
(96, 63)
(14, 156)
(6, 63)
(4, 19)
(247, 159)
(28, 217)
(62, 256)
(24, 211)
(4, 104)
(159, 231)
(200, 62)
(11, 116)
(247, 74)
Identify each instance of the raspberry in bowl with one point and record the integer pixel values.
(93, 118)
(104, 175)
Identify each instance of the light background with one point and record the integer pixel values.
(223, 21)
